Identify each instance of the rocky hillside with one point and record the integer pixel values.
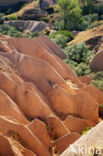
(31, 11)
(92, 37)
(44, 106)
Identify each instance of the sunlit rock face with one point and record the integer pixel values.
(43, 103)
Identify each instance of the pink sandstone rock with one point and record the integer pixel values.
(96, 64)
(62, 143)
(78, 125)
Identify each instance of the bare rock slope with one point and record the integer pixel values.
(42, 101)
(31, 26)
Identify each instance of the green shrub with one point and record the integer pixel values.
(65, 33)
(101, 17)
(52, 15)
(13, 32)
(50, 10)
(1, 18)
(58, 24)
(95, 8)
(88, 20)
(31, 35)
(78, 56)
(10, 30)
(12, 17)
(78, 53)
(94, 17)
(82, 69)
(95, 24)
(62, 37)
(45, 19)
(97, 80)
(98, 9)
(88, 129)
(98, 84)
(97, 76)
(60, 40)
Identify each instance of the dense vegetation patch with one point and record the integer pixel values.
(13, 32)
(78, 57)
(72, 15)
(12, 17)
(97, 79)
(62, 37)
(77, 14)
(1, 18)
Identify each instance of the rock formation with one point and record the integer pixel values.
(46, 3)
(31, 26)
(96, 64)
(43, 103)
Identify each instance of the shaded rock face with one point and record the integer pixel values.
(42, 101)
(31, 26)
(38, 11)
(96, 64)
(33, 14)
(46, 3)
(4, 3)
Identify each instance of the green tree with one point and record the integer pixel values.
(64, 9)
(71, 13)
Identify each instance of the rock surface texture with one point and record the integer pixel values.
(44, 106)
